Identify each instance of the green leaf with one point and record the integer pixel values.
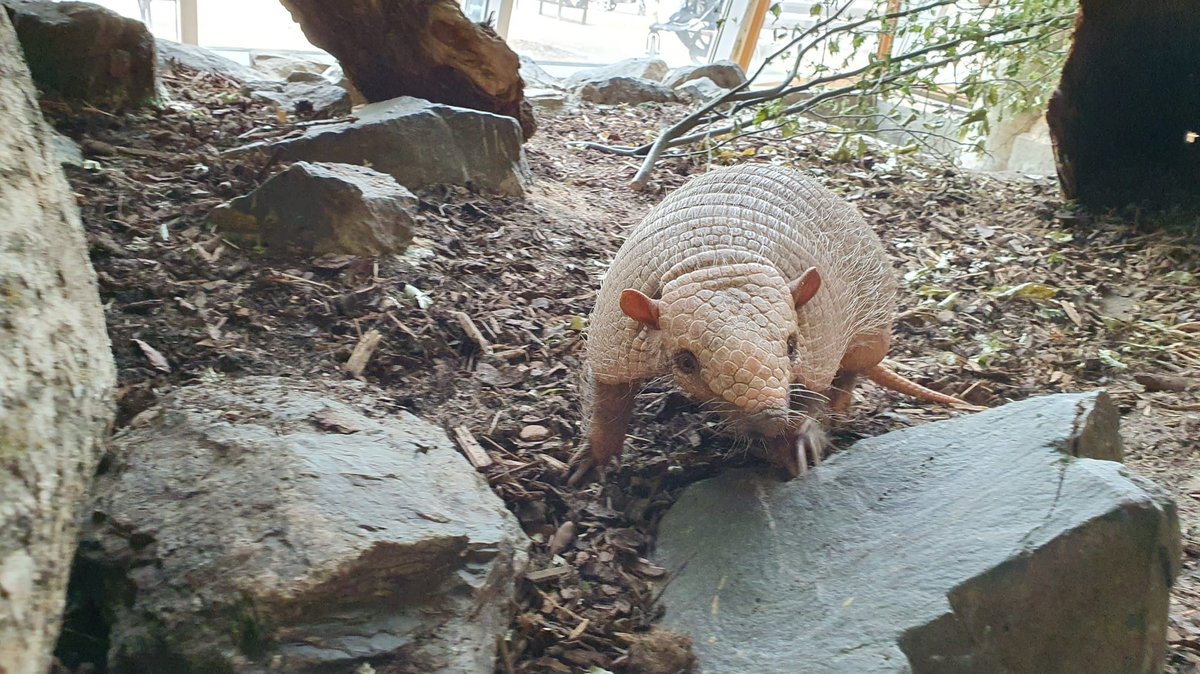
(776, 10)
(1028, 291)
(1060, 237)
(1110, 359)
(1181, 277)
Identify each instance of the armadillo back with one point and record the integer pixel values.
(772, 213)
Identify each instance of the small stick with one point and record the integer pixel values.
(473, 332)
(471, 448)
(362, 352)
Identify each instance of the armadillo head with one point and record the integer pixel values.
(730, 336)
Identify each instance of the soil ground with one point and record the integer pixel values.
(1007, 293)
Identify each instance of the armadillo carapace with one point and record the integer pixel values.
(762, 294)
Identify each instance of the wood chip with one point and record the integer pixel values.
(549, 574)
(471, 448)
(362, 352)
(156, 359)
(1165, 382)
(579, 629)
(562, 537)
(473, 332)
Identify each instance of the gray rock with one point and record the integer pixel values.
(199, 58)
(984, 544)
(702, 89)
(282, 66)
(318, 100)
(335, 75)
(66, 150)
(420, 144)
(56, 373)
(725, 74)
(318, 209)
(629, 90)
(262, 525)
(82, 52)
(643, 68)
(305, 76)
(535, 77)
(546, 100)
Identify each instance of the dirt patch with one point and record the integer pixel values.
(1007, 294)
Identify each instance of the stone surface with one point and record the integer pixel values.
(316, 100)
(282, 66)
(199, 58)
(426, 49)
(318, 209)
(546, 100)
(537, 78)
(628, 90)
(335, 75)
(56, 373)
(421, 144)
(643, 68)
(983, 544)
(264, 525)
(80, 52)
(724, 74)
(702, 89)
(65, 150)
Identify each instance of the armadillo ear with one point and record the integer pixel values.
(805, 287)
(640, 308)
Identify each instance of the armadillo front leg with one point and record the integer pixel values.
(612, 409)
(842, 391)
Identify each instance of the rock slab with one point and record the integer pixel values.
(627, 90)
(80, 52)
(985, 544)
(642, 68)
(203, 60)
(56, 373)
(319, 209)
(310, 100)
(264, 525)
(421, 144)
(700, 89)
(282, 66)
(724, 74)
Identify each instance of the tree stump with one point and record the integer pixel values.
(1127, 110)
(422, 48)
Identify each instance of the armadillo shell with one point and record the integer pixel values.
(774, 214)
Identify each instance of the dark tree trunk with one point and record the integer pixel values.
(422, 48)
(1127, 106)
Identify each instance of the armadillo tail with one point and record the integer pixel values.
(888, 379)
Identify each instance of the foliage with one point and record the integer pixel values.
(990, 57)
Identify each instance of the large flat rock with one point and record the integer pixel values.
(320, 209)
(985, 544)
(81, 52)
(421, 144)
(264, 525)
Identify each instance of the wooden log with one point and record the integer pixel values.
(423, 48)
(1128, 97)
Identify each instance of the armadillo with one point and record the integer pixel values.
(763, 296)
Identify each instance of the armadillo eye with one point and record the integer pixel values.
(791, 346)
(686, 363)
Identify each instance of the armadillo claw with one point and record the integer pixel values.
(789, 453)
(792, 452)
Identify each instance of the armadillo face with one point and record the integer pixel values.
(731, 341)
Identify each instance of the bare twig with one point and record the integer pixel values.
(873, 78)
